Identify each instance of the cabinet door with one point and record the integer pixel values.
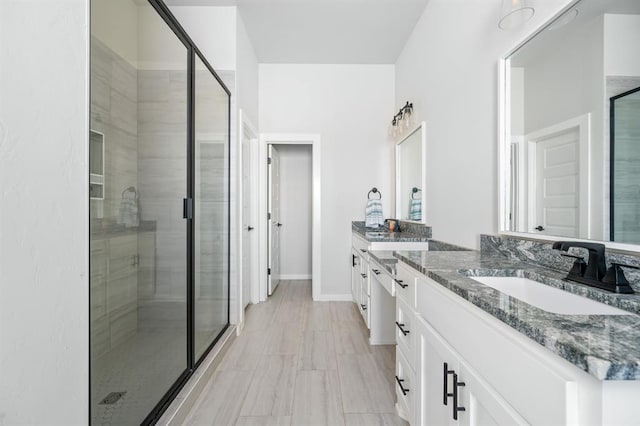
(435, 365)
(483, 405)
(356, 286)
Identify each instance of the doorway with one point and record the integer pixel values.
(281, 203)
(289, 194)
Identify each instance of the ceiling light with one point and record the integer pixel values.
(515, 13)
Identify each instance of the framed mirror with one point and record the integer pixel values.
(411, 175)
(570, 148)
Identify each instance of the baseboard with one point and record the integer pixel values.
(296, 277)
(177, 412)
(334, 298)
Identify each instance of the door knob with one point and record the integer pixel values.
(539, 228)
(250, 228)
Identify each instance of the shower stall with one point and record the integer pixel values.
(159, 209)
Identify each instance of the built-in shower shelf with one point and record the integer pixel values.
(96, 165)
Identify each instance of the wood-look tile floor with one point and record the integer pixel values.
(299, 362)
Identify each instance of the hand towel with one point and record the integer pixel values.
(128, 211)
(415, 209)
(373, 216)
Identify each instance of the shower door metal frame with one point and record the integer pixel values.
(192, 363)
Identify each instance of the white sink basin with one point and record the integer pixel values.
(548, 298)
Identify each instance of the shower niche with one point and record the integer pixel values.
(96, 165)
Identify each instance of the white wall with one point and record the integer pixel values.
(621, 40)
(350, 107)
(213, 30)
(44, 231)
(449, 69)
(247, 73)
(105, 12)
(295, 211)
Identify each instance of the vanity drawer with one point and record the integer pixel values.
(405, 285)
(405, 333)
(364, 308)
(361, 245)
(379, 274)
(405, 389)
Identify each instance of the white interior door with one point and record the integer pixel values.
(558, 179)
(247, 226)
(557, 169)
(274, 219)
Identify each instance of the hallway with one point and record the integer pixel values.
(300, 362)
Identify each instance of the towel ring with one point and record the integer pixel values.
(375, 191)
(414, 191)
(130, 189)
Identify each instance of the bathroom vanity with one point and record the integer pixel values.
(372, 287)
(471, 354)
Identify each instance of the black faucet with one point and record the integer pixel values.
(595, 273)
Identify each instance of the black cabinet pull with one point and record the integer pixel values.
(539, 228)
(375, 271)
(364, 307)
(353, 260)
(404, 332)
(402, 388)
(363, 250)
(445, 384)
(363, 275)
(456, 385)
(401, 283)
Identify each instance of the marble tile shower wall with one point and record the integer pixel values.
(542, 254)
(162, 166)
(627, 175)
(114, 112)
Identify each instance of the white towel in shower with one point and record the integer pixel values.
(373, 216)
(128, 212)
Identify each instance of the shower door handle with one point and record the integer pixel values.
(187, 208)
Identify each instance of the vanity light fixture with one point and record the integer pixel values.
(402, 120)
(515, 13)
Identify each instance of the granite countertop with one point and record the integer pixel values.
(386, 259)
(605, 346)
(382, 234)
(109, 227)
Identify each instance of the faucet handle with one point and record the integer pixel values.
(579, 266)
(615, 276)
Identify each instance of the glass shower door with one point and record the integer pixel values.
(211, 213)
(139, 263)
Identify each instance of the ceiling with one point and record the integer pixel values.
(324, 31)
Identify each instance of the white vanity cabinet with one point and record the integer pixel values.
(460, 396)
(405, 286)
(452, 355)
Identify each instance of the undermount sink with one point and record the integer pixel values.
(548, 298)
(377, 234)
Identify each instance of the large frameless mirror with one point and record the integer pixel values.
(571, 146)
(411, 175)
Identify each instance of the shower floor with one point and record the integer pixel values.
(144, 366)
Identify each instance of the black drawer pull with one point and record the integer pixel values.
(363, 275)
(375, 271)
(402, 388)
(401, 283)
(404, 332)
(363, 250)
(364, 307)
(445, 384)
(456, 385)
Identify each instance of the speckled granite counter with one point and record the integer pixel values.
(605, 346)
(382, 234)
(110, 228)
